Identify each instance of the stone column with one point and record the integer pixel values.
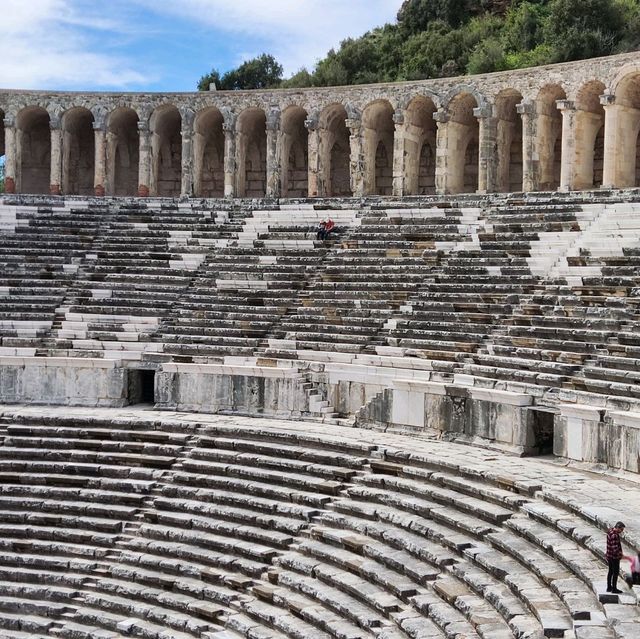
(186, 186)
(527, 111)
(610, 177)
(357, 159)
(442, 118)
(487, 149)
(55, 181)
(144, 159)
(229, 128)
(274, 170)
(399, 169)
(10, 152)
(567, 167)
(315, 188)
(100, 170)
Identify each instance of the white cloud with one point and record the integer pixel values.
(297, 32)
(44, 44)
(82, 44)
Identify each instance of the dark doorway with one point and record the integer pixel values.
(542, 429)
(141, 386)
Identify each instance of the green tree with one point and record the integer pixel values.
(524, 26)
(301, 79)
(433, 53)
(438, 38)
(487, 56)
(213, 77)
(415, 15)
(579, 29)
(263, 72)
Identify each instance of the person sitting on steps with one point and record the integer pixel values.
(613, 556)
(322, 230)
(329, 226)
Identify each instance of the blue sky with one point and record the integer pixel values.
(166, 45)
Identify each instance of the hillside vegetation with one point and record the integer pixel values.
(440, 38)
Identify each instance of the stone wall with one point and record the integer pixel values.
(218, 389)
(567, 126)
(63, 382)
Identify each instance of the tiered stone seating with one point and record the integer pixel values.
(476, 285)
(363, 284)
(40, 260)
(583, 312)
(222, 530)
(242, 291)
(139, 267)
(69, 495)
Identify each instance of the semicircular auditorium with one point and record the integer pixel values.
(409, 288)
(479, 281)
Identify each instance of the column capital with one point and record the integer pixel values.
(143, 127)
(565, 105)
(442, 116)
(100, 126)
(55, 122)
(483, 112)
(312, 123)
(354, 125)
(607, 99)
(9, 121)
(526, 107)
(398, 117)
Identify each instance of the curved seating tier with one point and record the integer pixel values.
(149, 525)
(540, 292)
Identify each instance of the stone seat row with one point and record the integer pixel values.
(260, 471)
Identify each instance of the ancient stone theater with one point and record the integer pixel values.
(217, 423)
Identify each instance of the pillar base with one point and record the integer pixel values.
(143, 191)
(9, 185)
(99, 190)
(54, 189)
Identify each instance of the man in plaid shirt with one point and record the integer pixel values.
(613, 556)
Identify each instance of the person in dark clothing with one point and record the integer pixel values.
(322, 231)
(613, 556)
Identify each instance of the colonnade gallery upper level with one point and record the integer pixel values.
(571, 126)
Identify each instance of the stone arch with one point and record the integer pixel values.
(78, 152)
(627, 75)
(251, 165)
(378, 130)
(549, 136)
(626, 160)
(589, 137)
(294, 152)
(335, 152)
(420, 147)
(509, 141)
(166, 151)
(123, 153)
(33, 150)
(208, 148)
(461, 90)
(463, 144)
